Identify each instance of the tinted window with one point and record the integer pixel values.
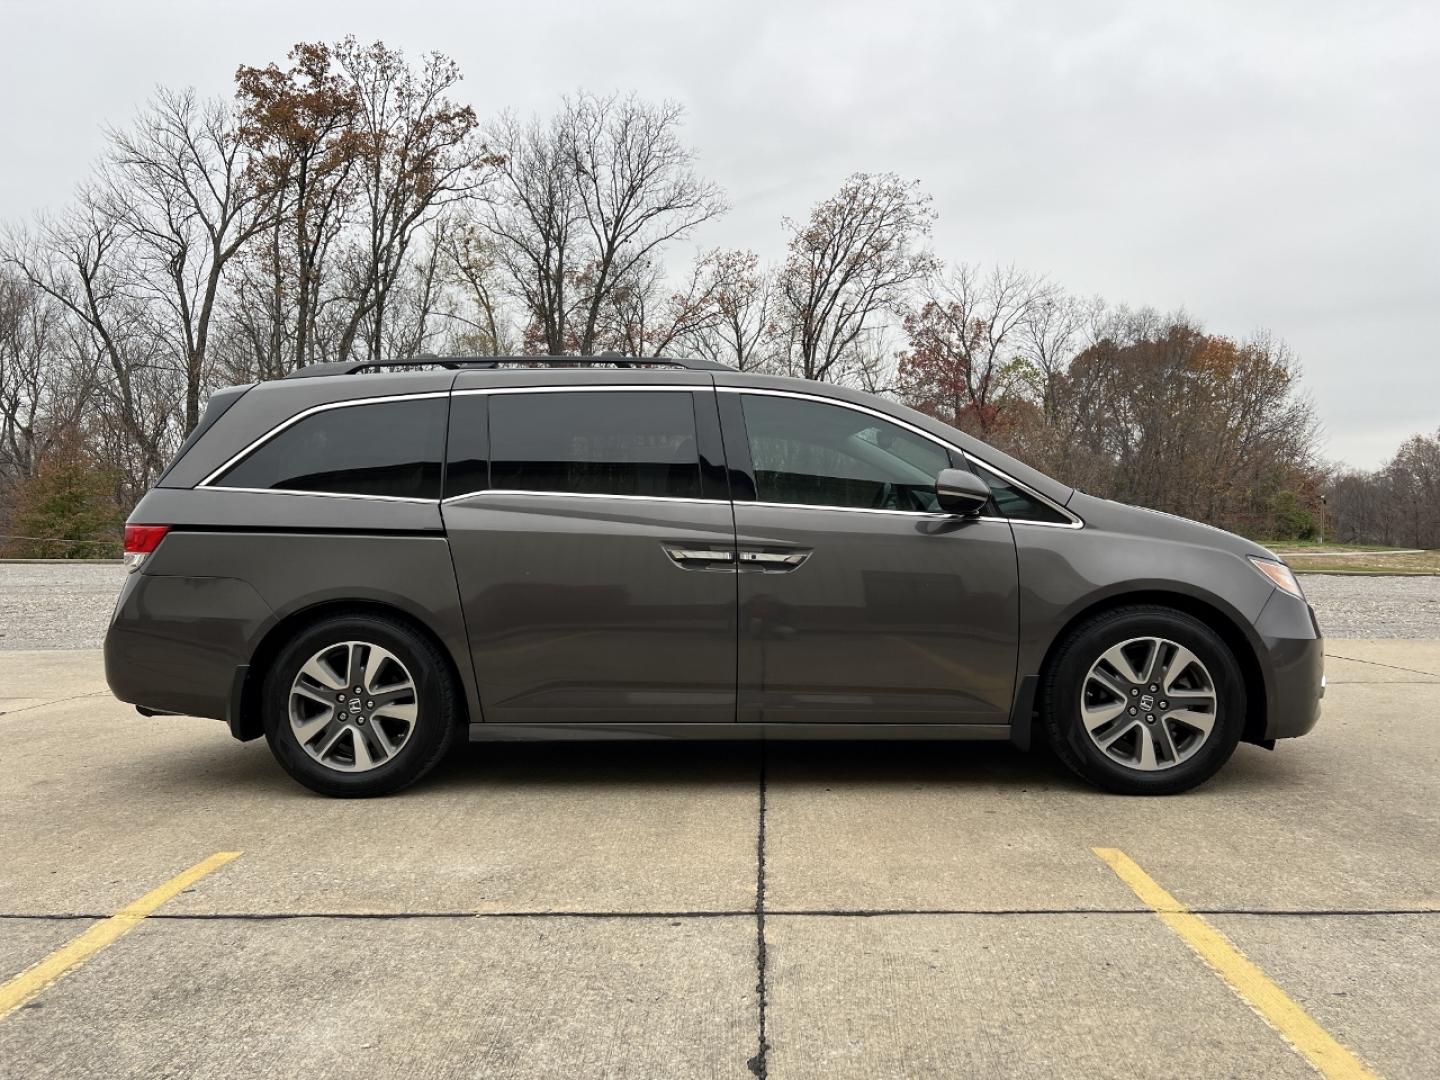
(467, 458)
(387, 448)
(814, 454)
(595, 442)
(1017, 504)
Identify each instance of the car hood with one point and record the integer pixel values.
(1141, 521)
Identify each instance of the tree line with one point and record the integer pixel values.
(345, 204)
(1398, 503)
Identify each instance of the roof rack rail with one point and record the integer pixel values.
(349, 367)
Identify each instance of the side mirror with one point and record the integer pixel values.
(959, 491)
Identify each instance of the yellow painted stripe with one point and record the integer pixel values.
(1255, 988)
(30, 982)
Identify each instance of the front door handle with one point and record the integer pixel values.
(700, 558)
(773, 562)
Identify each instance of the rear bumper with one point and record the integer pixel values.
(1293, 653)
(174, 643)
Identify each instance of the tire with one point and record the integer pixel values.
(402, 739)
(1094, 670)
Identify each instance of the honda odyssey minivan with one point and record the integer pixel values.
(363, 562)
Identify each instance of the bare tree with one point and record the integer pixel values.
(638, 190)
(854, 260)
(416, 155)
(584, 205)
(1051, 331)
(740, 333)
(533, 217)
(965, 348)
(79, 260)
(470, 267)
(647, 316)
(179, 186)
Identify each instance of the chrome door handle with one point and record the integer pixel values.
(696, 558)
(774, 561)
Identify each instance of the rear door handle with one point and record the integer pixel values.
(773, 562)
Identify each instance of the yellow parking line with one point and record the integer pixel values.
(1255, 988)
(30, 982)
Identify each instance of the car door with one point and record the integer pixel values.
(593, 540)
(859, 600)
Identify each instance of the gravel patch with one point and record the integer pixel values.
(63, 605)
(1374, 607)
(68, 605)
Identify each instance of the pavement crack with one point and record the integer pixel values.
(1377, 663)
(57, 701)
(759, 1064)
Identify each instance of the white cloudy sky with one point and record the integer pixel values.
(1264, 163)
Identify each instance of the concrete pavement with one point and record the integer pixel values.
(928, 910)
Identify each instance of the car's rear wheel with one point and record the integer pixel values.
(359, 705)
(1144, 700)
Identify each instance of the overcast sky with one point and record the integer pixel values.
(1260, 164)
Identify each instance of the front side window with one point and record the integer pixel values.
(388, 448)
(596, 442)
(812, 454)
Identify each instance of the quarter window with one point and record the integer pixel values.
(610, 442)
(813, 454)
(1016, 504)
(389, 448)
(467, 459)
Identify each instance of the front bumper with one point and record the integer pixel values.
(1293, 654)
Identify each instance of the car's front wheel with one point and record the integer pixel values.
(359, 705)
(1144, 700)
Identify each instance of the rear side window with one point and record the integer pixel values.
(595, 443)
(389, 448)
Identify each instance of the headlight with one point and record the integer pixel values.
(1278, 573)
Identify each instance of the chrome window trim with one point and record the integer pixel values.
(671, 388)
(321, 494)
(209, 481)
(1075, 521)
(583, 495)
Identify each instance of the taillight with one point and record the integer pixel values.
(140, 541)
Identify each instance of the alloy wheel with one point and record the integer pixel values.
(353, 706)
(1148, 703)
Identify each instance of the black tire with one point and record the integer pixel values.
(1063, 682)
(437, 708)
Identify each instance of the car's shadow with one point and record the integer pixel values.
(995, 766)
(782, 762)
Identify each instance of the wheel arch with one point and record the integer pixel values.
(245, 718)
(1212, 615)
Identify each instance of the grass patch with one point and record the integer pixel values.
(1322, 545)
(1364, 562)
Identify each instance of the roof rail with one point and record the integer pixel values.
(349, 367)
